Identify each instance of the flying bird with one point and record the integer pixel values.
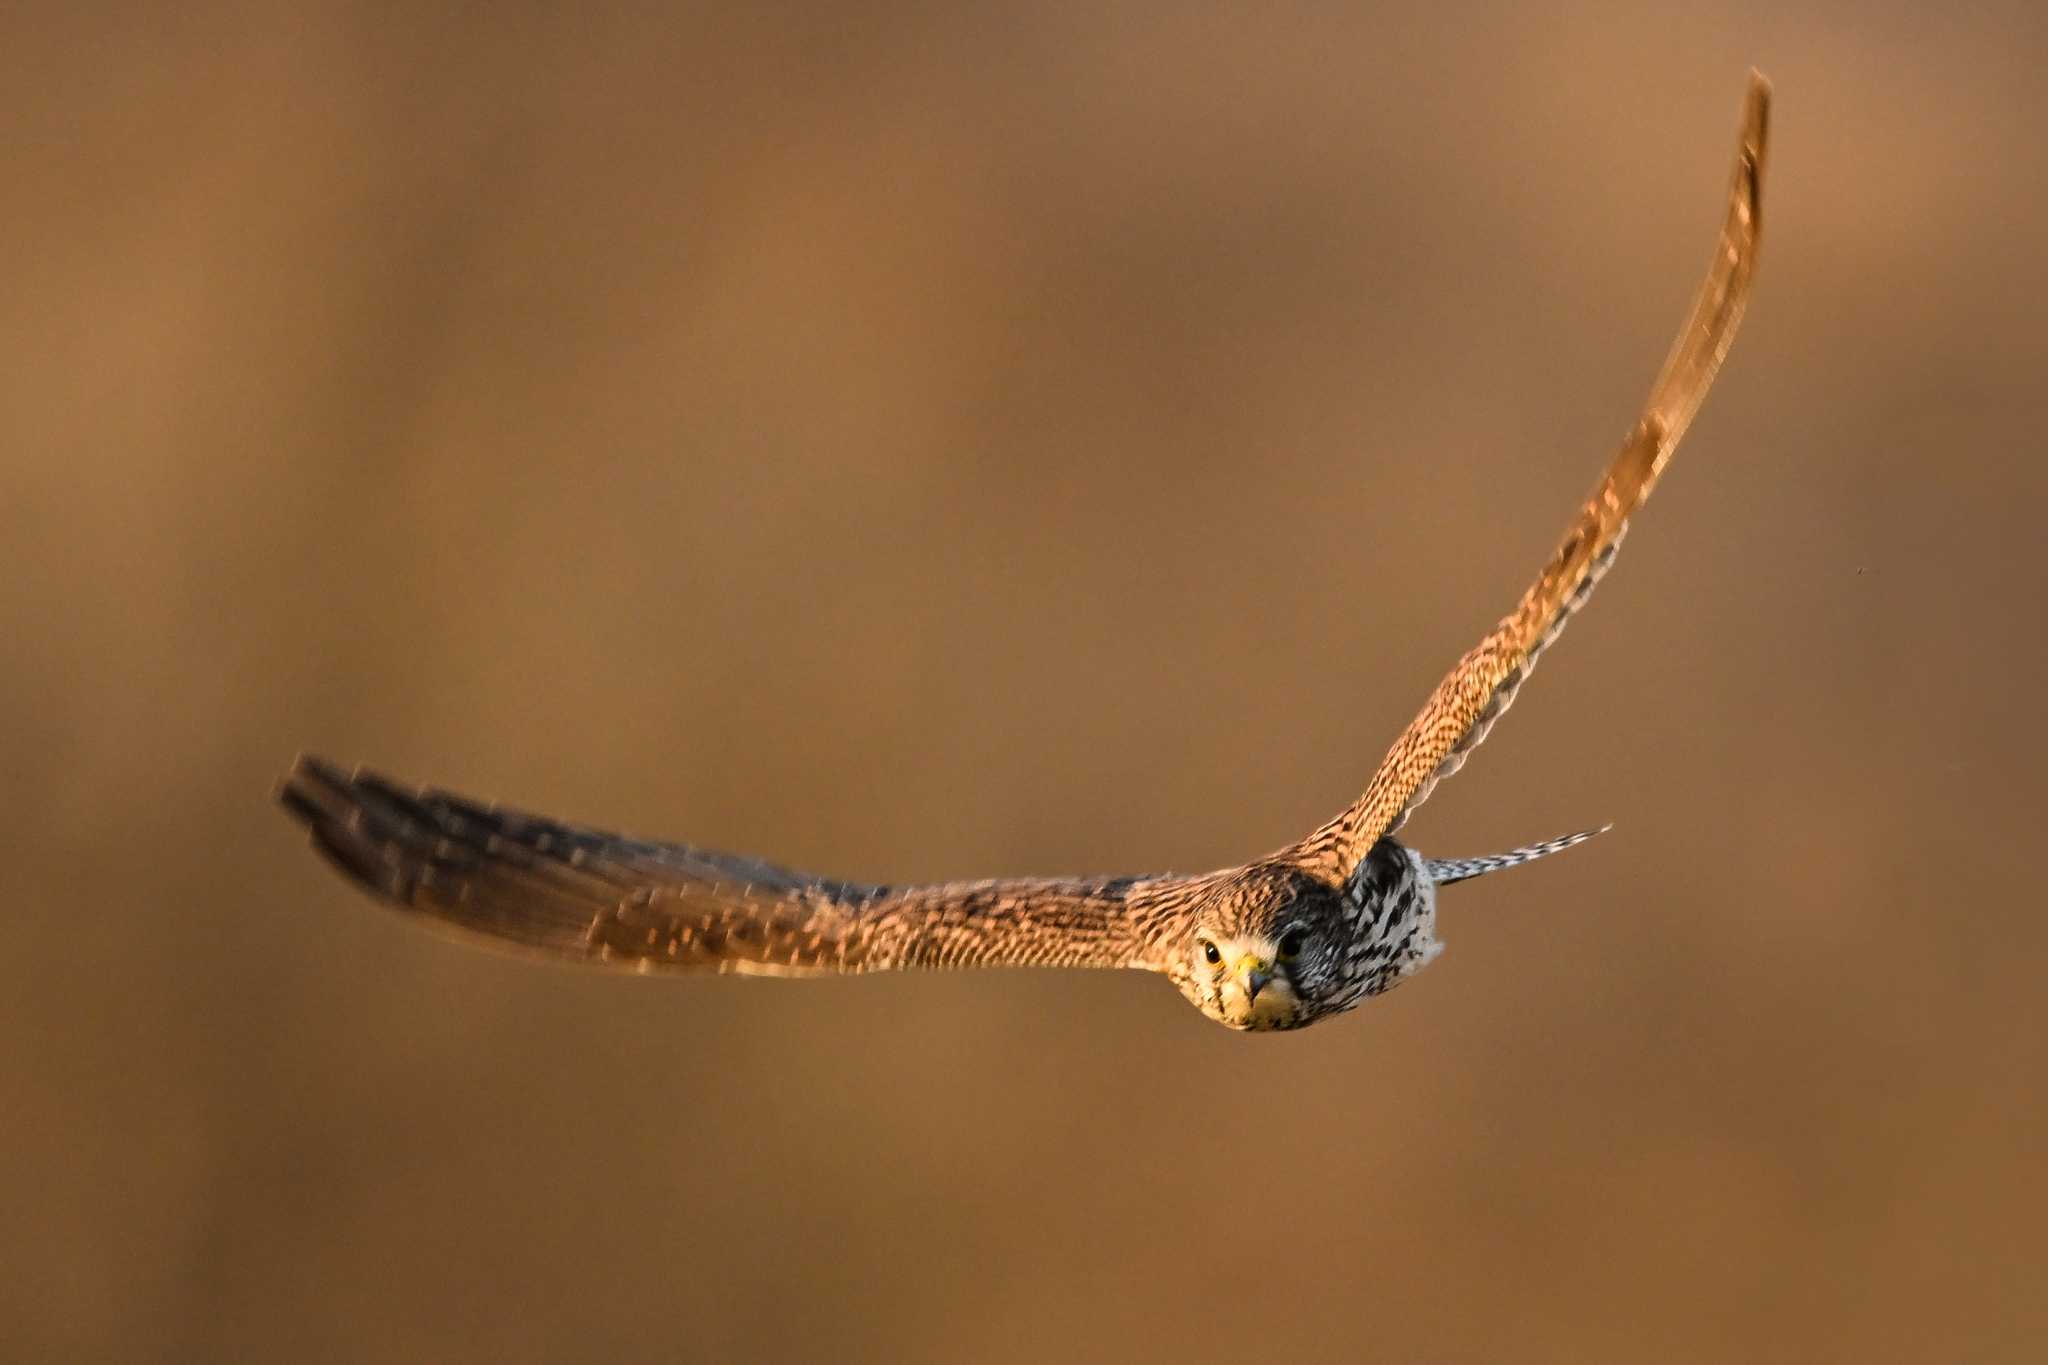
(1299, 935)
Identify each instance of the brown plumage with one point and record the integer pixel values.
(1472, 696)
(1305, 933)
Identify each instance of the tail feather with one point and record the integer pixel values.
(1444, 871)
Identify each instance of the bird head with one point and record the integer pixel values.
(1264, 953)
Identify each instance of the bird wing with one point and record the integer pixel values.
(1466, 703)
(563, 891)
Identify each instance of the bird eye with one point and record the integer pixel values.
(1290, 945)
(1209, 951)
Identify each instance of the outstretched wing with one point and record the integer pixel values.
(1467, 702)
(566, 892)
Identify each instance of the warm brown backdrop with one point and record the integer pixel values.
(918, 442)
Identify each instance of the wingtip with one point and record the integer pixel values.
(290, 791)
(307, 774)
(1756, 116)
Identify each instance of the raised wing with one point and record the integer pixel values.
(566, 892)
(1466, 703)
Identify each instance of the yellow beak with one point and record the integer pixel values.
(1252, 974)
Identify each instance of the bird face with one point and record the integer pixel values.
(1246, 980)
(1265, 953)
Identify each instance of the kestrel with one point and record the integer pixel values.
(1304, 933)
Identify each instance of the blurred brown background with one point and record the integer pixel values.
(919, 442)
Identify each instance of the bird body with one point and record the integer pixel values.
(1302, 934)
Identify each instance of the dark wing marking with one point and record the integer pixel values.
(563, 891)
(1466, 703)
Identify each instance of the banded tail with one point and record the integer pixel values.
(1444, 871)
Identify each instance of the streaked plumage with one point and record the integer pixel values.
(1304, 933)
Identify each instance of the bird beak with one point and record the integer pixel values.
(1253, 973)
